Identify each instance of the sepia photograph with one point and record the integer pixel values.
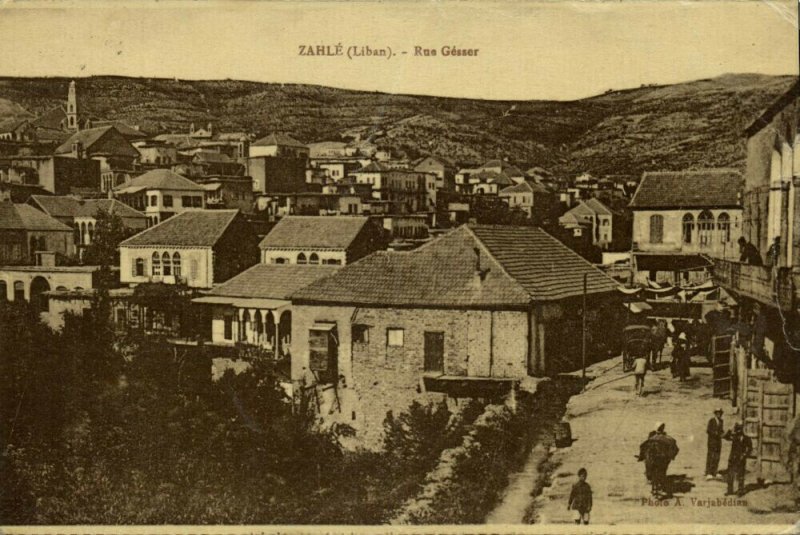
(399, 267)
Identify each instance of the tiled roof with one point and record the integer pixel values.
(52, 118)
(57, 205)
(159, 179)
(126, 130)
(87, 138)
(212, 157)
(689, 189)
(492, 177)
(278, 139)
(26, 217)
(524, 264)
(522, 187)
(195, 228)
(90, 207)
(374, 167)
(598, 207)
(272, 281)
(314, 232)
(10, 125)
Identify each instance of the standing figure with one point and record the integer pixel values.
(644, 456)
(714, 430)
(640, 365)
(741, 447)
(580, 499)
(748, 253)
(662, 450)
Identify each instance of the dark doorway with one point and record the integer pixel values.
(434, 352)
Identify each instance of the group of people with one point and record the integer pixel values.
(741, 447)
(681, 357)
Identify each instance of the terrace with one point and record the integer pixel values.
(771, 286)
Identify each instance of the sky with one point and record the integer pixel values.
(533, 50)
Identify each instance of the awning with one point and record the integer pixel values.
(628, 291)
(671, 262)
(242, 302)
(320, 326)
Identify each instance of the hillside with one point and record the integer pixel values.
(689, 125)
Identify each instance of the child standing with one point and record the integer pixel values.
(580, 499)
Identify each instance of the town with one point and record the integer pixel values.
(402, 334)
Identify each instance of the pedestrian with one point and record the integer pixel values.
(580, 499)
(741, 447)
(640, 366)
(714, 430)
(678, 350)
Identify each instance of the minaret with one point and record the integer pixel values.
(72, 108)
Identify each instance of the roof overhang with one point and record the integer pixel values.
(242, 302)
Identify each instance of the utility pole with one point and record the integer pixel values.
(583, 330)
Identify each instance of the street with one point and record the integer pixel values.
(609, 422)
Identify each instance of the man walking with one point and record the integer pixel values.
(741, 447)
(714, 430)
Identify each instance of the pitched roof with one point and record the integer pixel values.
(12, 124)
(524, 264)
(522, 187)
(373, 167)
(689, 189)
(86, 138)
(434, 160)
(277, 139)
(57, 205)
(195, 228)
(159, 179)
(501, 179)
(52, 118)
(272, 281)
(211, 156)
(314, 232)
(26, 217)
(90, 207)
(126, 130)
(598, 207)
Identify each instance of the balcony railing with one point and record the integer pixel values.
(772, 286)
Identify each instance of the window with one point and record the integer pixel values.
(138, 267)
(656, 228)
(688, 228)
(153, 200)
(301, 259)
(705, 227)
(176, 264)
(193, 269)
(156, 265)
(228, 334)
(280, 260)
(167, 201)
(333, 262)
(724, 226)
(197, 202)
(186, 201)
(165, 260)
(395, 337)
(360, 333)
(313, 259)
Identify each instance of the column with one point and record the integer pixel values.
(276, 317)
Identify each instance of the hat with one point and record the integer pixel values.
(682, 336)
(718, 409)
(660, 426)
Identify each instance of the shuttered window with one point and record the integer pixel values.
(656, 228)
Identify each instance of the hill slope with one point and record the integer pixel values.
(689, 125)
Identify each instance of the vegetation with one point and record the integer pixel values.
(98, 430)
(109, 231)
(683, 126)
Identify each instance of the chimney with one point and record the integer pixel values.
(191, 128)
(480, 272)
(210, 126)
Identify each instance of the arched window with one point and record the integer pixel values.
(91, 232)
(301, 259)
(705, 227)
(176, 264)
(313, 259)
(167, 264)
(688, 228)
(656, 228)
(280, 260)
(724, 227)
(156, 265)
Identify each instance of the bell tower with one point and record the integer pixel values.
(72, 108)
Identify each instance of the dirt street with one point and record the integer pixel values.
(609, 422)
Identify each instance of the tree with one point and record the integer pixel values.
(109, 231)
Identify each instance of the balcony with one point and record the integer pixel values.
(774, 287)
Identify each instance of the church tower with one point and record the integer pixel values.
(72, 108)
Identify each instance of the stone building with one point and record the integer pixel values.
(680, 219)
(197, 248)
(472, 313)
(29, 236)
(160, 194)
(316, 240)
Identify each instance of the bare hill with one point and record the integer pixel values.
(688, 125)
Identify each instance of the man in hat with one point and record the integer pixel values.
(741, 447)
(714, 430)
